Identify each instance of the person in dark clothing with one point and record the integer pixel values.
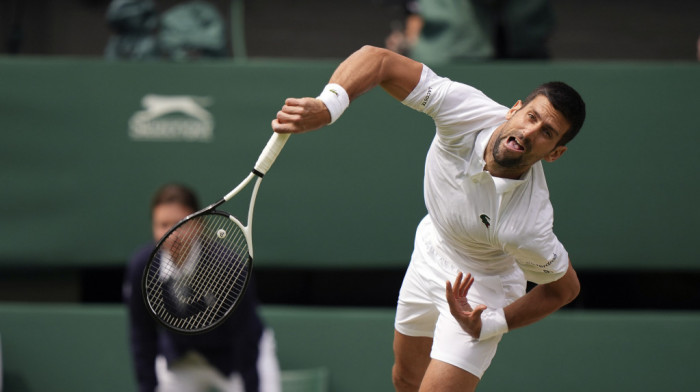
(238, 355)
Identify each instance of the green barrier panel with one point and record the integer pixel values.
(599, 351)
(353, 344)
(80, 348)
(65, 348)
(85, 143)
(572, 351)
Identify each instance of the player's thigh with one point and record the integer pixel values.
(411, 355)
(443, 377)
(452, 345)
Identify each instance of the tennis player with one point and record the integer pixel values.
(489, 222)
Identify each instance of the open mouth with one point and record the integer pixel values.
(513, 144)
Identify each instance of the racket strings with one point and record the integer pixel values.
(232, 272)
(168, 263)
(205, 261)
(234, 277)
(200, 289)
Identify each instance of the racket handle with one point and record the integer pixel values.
(270, 152)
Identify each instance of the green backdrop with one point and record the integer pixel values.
(75, 185)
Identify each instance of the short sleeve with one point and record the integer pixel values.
(537, 250)
(455, 107)
(539, 268)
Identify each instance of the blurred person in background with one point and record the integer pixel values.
(133, 24)
(237, 356)
(190, 30)
(405, 29)
(447, 31)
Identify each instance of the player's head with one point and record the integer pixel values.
(170, 204)
(537, 129)
(567, 101)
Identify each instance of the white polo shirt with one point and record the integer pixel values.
(483, 224)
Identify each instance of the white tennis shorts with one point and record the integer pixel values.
(423, 310)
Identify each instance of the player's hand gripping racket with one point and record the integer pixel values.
(200, 268)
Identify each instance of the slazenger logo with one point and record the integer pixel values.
(172, 118)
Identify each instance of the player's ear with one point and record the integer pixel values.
(514, 109)
(555, 154)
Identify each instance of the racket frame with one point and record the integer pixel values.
(263, 164)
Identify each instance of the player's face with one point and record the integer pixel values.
(531, 133)
(165, 216)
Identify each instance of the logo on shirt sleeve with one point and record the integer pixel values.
(427, 96)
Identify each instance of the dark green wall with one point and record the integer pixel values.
(84, 348)
(75, 187)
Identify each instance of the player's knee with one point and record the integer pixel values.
(405, 381)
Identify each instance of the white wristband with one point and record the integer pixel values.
(493, 323)
(336, 99)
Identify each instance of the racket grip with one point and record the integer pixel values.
(270, 152)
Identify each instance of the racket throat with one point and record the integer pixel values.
(251, 208)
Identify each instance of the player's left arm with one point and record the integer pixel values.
(543, 300)
(539, 302)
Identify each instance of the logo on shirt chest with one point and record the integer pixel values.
(485, 220)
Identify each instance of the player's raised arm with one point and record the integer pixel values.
(371, 66)
(362, 71)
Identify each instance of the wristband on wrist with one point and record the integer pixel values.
(493, 323)
(336, 100)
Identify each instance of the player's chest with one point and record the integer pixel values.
(481, 213)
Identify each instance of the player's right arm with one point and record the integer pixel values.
(364, 70)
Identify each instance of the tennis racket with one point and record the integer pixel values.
(200, 268)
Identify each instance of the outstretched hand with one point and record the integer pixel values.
(301, 115)
(469, 319)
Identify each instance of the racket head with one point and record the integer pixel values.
(198, 272)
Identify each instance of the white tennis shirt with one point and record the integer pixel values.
(483, 224)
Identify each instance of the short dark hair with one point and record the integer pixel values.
(175, 193)
(567, 101)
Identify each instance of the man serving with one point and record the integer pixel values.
(489, 223)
